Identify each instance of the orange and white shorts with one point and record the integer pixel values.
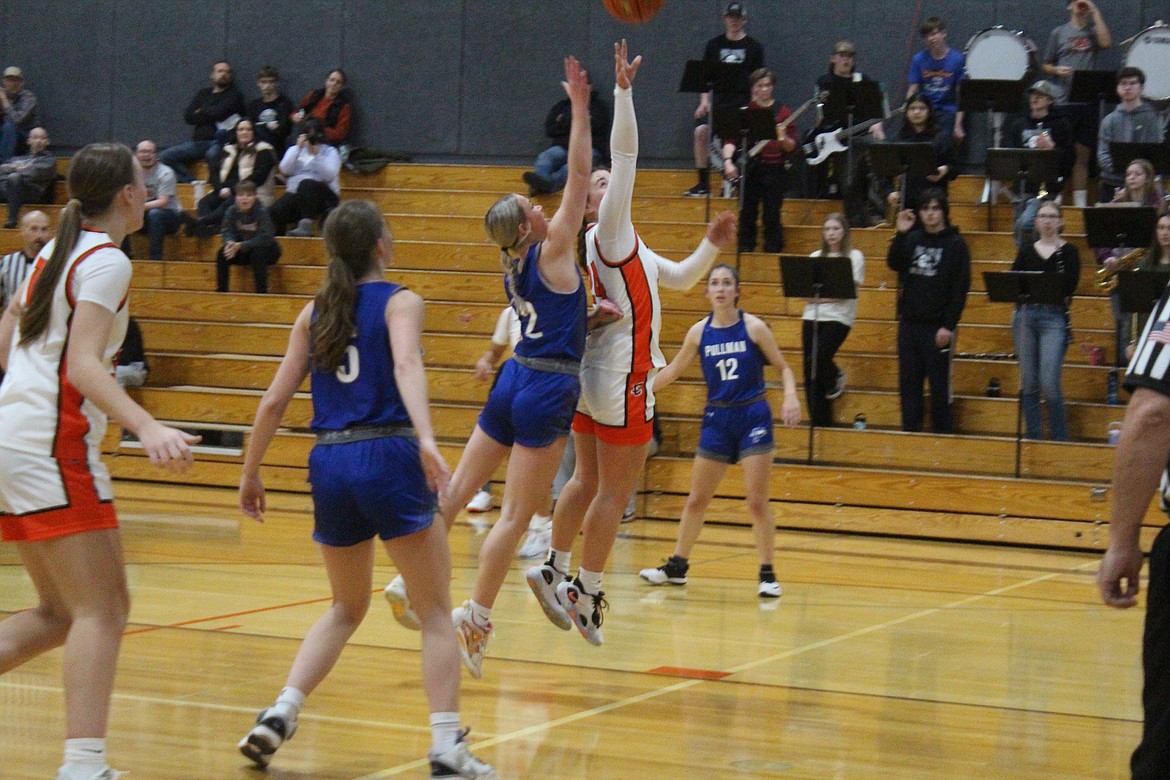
(42, 497)
(615, 406)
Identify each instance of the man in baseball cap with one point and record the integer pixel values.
(18, 112)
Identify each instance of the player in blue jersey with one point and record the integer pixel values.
(733, 347)
(374, 472)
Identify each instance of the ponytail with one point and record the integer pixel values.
(35, 317)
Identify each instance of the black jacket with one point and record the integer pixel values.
(934, 276)
(560, 119)
(208, 108)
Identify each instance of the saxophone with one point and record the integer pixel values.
(1107, 278)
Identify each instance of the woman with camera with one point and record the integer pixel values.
(311, 168)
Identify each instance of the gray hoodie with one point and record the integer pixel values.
(1142, 125)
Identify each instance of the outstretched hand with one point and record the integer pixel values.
(623, 69)
(576, 81)
(721, 230)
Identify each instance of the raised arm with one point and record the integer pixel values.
(404, 319)
(759, 332)
(293, 370)
(684, 275)
(615, 226)
(558, 261)
(683, 359)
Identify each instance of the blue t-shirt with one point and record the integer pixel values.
(733, 365)
(552, 324)
(938, 80)
(362, 390)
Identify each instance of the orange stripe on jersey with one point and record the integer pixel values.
(38, 266)
(72, 268)
(629, 257)
(642, 314)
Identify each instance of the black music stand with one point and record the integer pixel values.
(749, 125)
(994, 97)
(816, 278)
(1021, 166)
(702, 76)
(1124, 153)
(1114, 226)
(901, 158)
(1094, 86)
(847, 105)
(1018, 287)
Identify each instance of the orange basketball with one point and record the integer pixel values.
(634, 11)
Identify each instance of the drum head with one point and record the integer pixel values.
(999, 54)
(1150, 51)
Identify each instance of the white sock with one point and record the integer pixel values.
(479, 613)
(84, 758)
(590, 581)
(444, 731)
(289, 703)
(560, 559)
(1080, 198)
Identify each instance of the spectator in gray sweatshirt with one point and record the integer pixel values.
(1135, 120)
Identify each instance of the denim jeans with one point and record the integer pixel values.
(9, 135)
(179, 155)
(552, 164)
(160, 223)
(1040, 332)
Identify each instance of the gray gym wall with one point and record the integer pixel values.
(443, 79)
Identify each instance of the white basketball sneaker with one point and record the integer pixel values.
(395, 593)
(480, 502)
(473, 639)
(459, 763)
(543, 580)
(270, 732)
(584, 609)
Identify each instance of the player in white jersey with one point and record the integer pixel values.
(58, 337)
(613, 425)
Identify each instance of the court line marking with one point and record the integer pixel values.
(687, 684)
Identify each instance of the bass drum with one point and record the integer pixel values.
(1150, 51)
(1001, 54)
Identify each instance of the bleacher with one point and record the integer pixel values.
(213, 354)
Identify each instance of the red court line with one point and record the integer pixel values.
(227, 628)
(692, 674)
(231, 615)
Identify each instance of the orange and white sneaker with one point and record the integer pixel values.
(473, 638)
(396, 594)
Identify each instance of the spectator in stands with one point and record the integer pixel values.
(28, 178)
(1071, 47)
(271, 113)
(1135, 120)
(551, 169)
(18, 111)
(1040, 128)
(312, 185)
(214, 108)
(248, 238)
(163, 211)
(934, 276)
(245, 159)
(1041, 330)
(15, 267)
(131, 366)
(332, 105)
(734, 47)
(919, 124)
(936, 71)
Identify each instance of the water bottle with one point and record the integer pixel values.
(993, 390)
(1113, 433)
(859, 422)
(1111, 388)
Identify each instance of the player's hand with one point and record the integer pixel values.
(721, 230)
(576, 82)
(790, 412)
(168, 447)
(252, 497)
(624, 70)
(606, 312)
(435, 467)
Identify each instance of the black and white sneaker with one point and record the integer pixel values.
(674, 572)
(270, 732)
(838, 386)
(698, 191)
(459, 763)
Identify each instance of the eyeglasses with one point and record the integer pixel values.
(1047, 216)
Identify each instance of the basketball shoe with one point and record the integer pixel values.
(673, 571)
(105, 774)
(270, 732)
(543, 580)
(395, 593)
(458, 762)
(770, 590)
(584, 609)
(480, 502)
(539, 538)
(473, 639)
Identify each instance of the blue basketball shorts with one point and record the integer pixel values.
(369, 488)
(732, 433)
(529, 407)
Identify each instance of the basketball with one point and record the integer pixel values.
(634, 11)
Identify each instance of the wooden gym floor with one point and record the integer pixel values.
(884, 659)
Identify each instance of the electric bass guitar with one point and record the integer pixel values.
(782, 127)
(833, 141)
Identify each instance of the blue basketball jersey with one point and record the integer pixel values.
(362, 390)
(732, 364)
(552, 324)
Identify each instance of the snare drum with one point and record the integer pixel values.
(1000, 53)
(1150, 51)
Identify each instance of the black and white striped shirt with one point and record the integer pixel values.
(14, 268)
